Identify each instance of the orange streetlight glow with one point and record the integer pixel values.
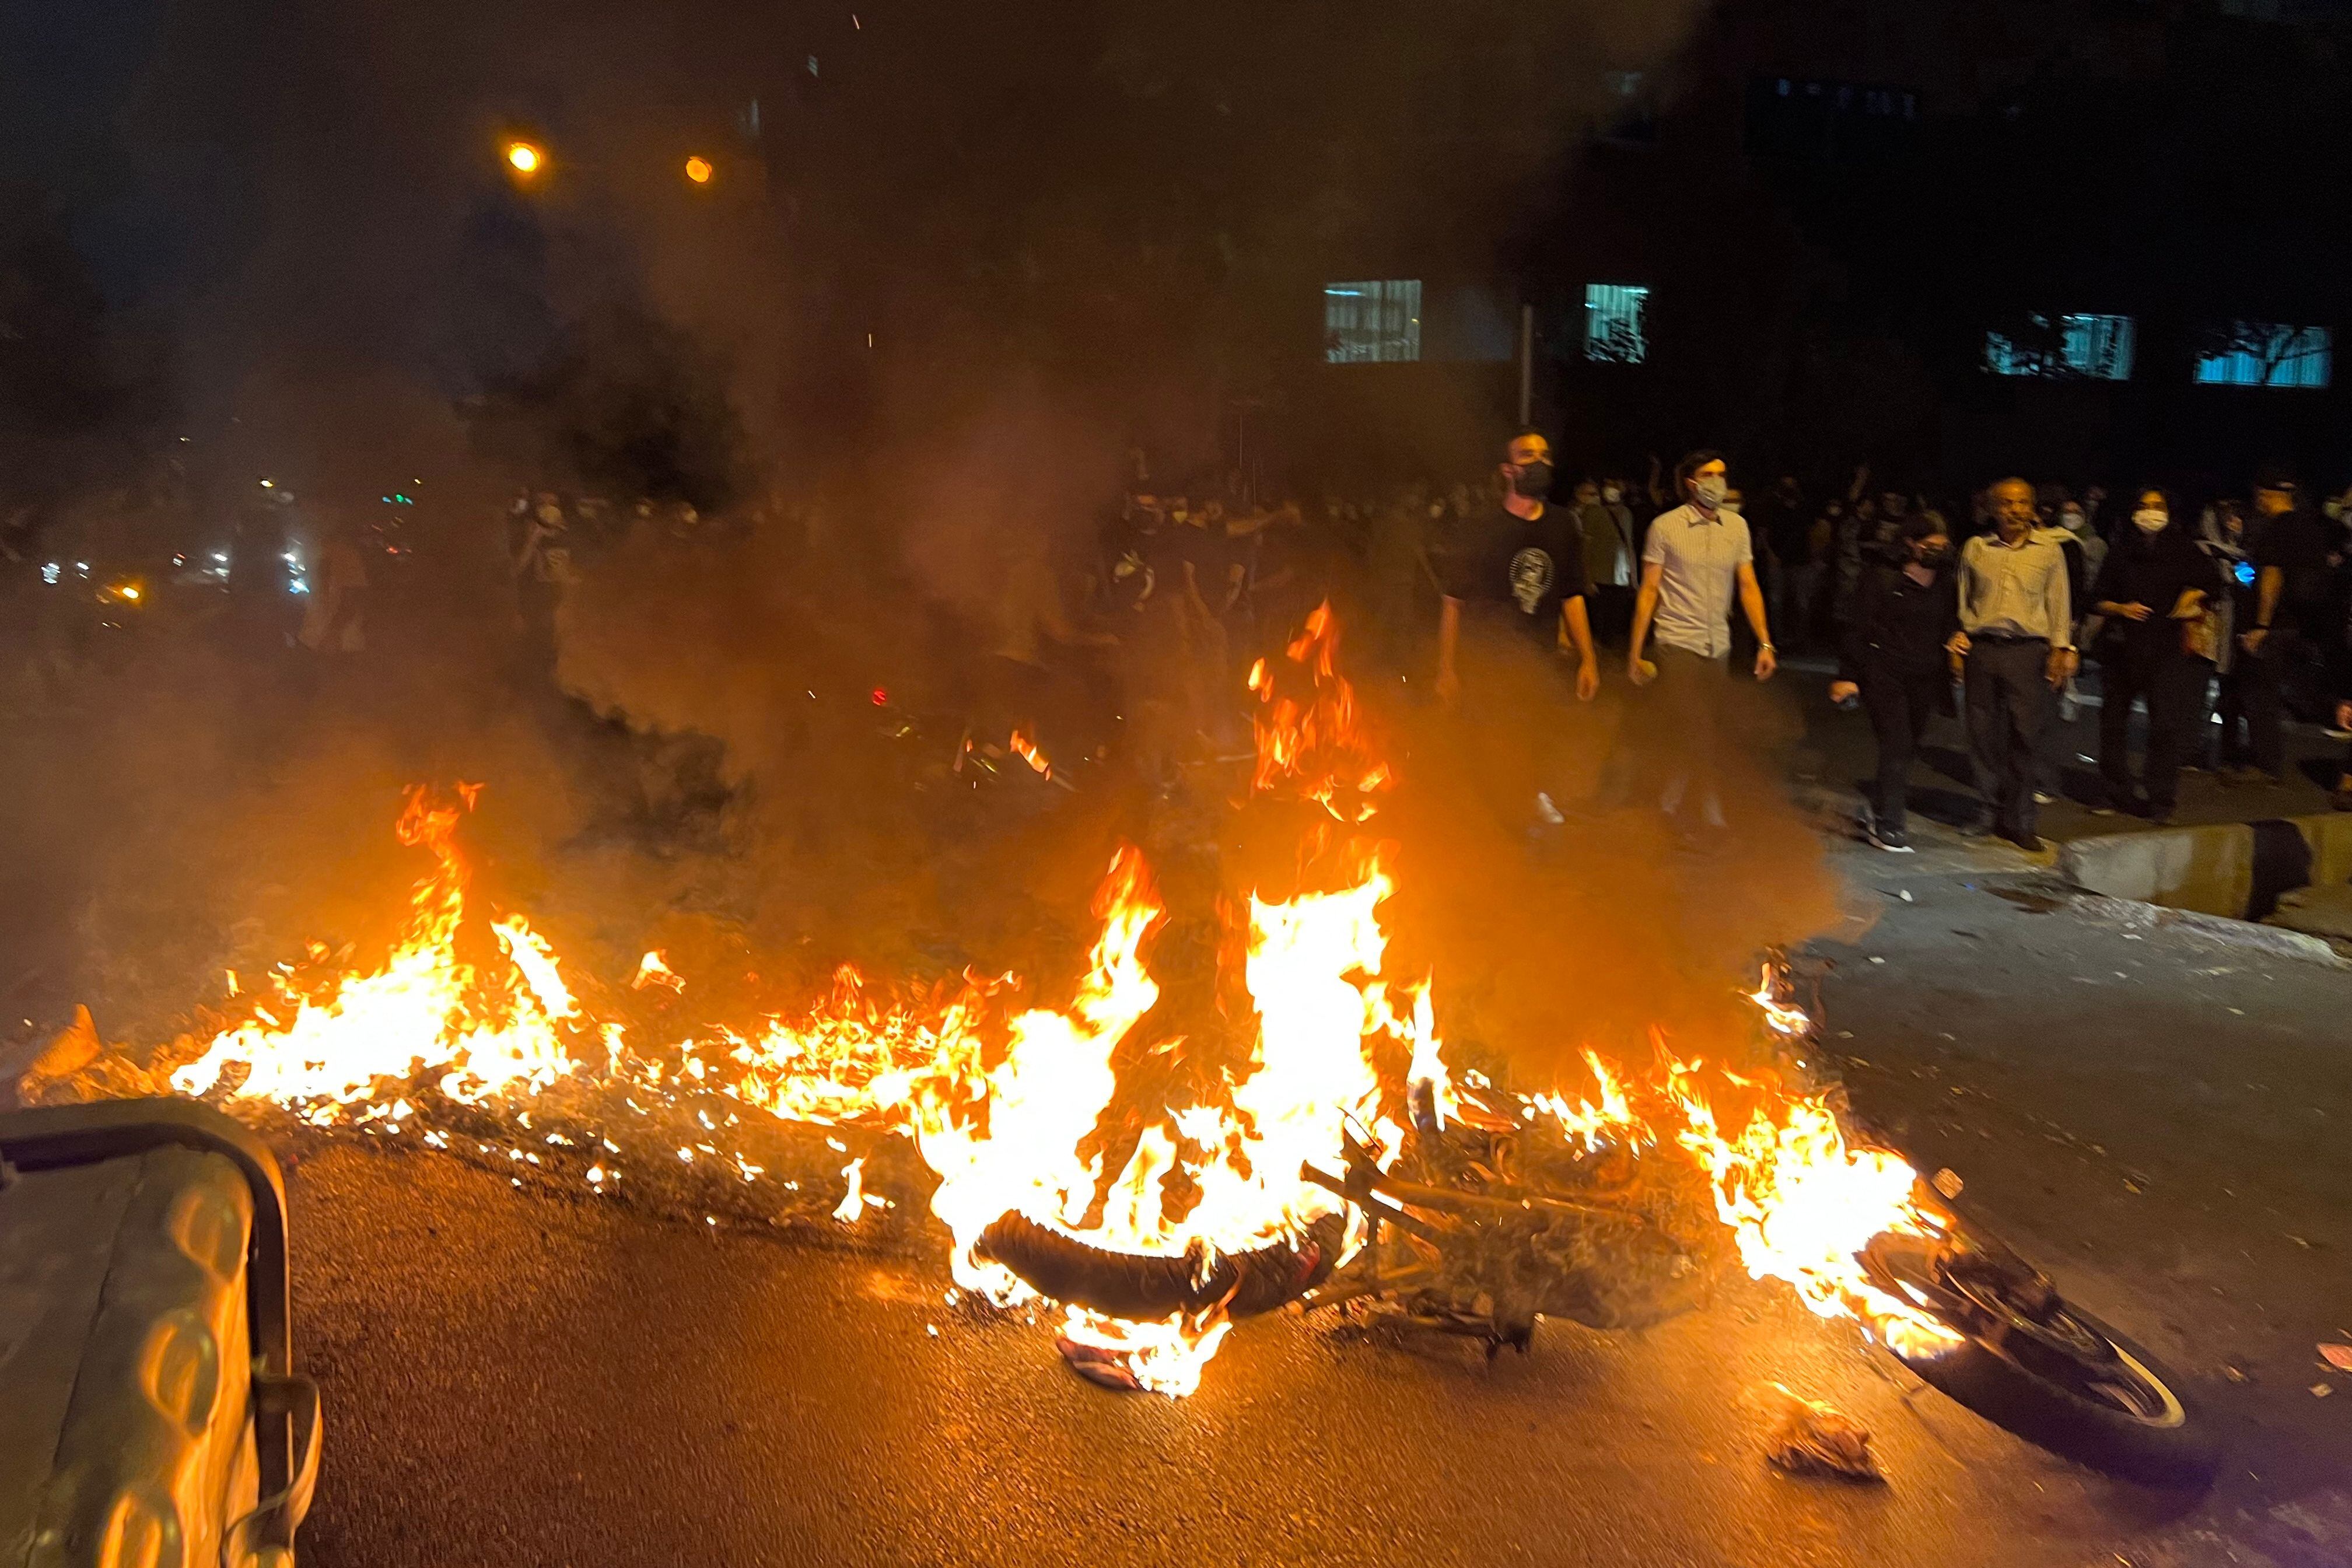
(699, 169)
(523, 156)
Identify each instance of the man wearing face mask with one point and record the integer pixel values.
(2155, 579)
(1697, 562)
(1905, 611)
(1521, 564)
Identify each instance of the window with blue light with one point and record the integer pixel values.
(1616, 327)
(1373, 322)
(2097, 347)
(2265, 354)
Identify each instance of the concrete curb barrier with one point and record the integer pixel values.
(2236, 870)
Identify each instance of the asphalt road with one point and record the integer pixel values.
(515, 1377)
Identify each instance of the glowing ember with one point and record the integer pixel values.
(1027, 750)
(654, 970)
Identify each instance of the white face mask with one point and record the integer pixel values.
(2072, 522)
(2150, 519)
(1611, 495)
(1710, 490)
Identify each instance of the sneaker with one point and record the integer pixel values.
(1895, 841)
(2031, 844)
(2042, 798)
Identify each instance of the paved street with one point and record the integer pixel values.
(537, 1379)
(2154, 1114)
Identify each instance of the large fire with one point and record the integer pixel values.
(1019, 1112)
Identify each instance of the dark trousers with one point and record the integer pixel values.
(2235, 706)
(2009, 707)
(2261, 684)
(1900, 703)
(2170, 683)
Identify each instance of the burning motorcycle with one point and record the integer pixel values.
(1503, 1210)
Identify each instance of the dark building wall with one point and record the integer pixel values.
(1821, 283)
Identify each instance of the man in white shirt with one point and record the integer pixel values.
(1697, 560)
(2016, 636)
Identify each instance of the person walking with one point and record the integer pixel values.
(2152, 590)
(1523, 561)
(1697, 560)
(1906, 613)
(2017, 640)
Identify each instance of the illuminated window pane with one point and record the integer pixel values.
(2096, 346)
(1376, 323)
(2264, 354)
(1614, 329)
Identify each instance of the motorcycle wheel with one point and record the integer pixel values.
(1143, 1289)
(2048, 1371)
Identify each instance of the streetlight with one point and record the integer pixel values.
(699, 169)
(523, 158)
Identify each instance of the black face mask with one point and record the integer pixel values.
(1534, 481)
(1934, 558)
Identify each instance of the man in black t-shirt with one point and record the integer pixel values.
(1520, 564)
(2289, 547)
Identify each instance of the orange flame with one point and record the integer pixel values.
(1027, 750)
(1004, 1106)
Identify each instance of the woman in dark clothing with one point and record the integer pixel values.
(1906, 608)
(2152, 589)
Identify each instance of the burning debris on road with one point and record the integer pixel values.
(1314, 1096)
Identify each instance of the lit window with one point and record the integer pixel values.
(2096, 346)
(1614, 332)
(1376, 323)
(2264, 354)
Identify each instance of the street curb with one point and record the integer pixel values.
(2232, 869)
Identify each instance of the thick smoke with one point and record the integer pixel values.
(1061, 235)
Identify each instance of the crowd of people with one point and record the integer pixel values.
(2218, 622)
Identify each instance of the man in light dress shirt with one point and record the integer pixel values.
(2016, 636)
(1697, 559)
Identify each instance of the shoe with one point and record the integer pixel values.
(2039, 798)
(2030, 843)
(1895, 841)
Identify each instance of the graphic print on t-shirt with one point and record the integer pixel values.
(1531, 578)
